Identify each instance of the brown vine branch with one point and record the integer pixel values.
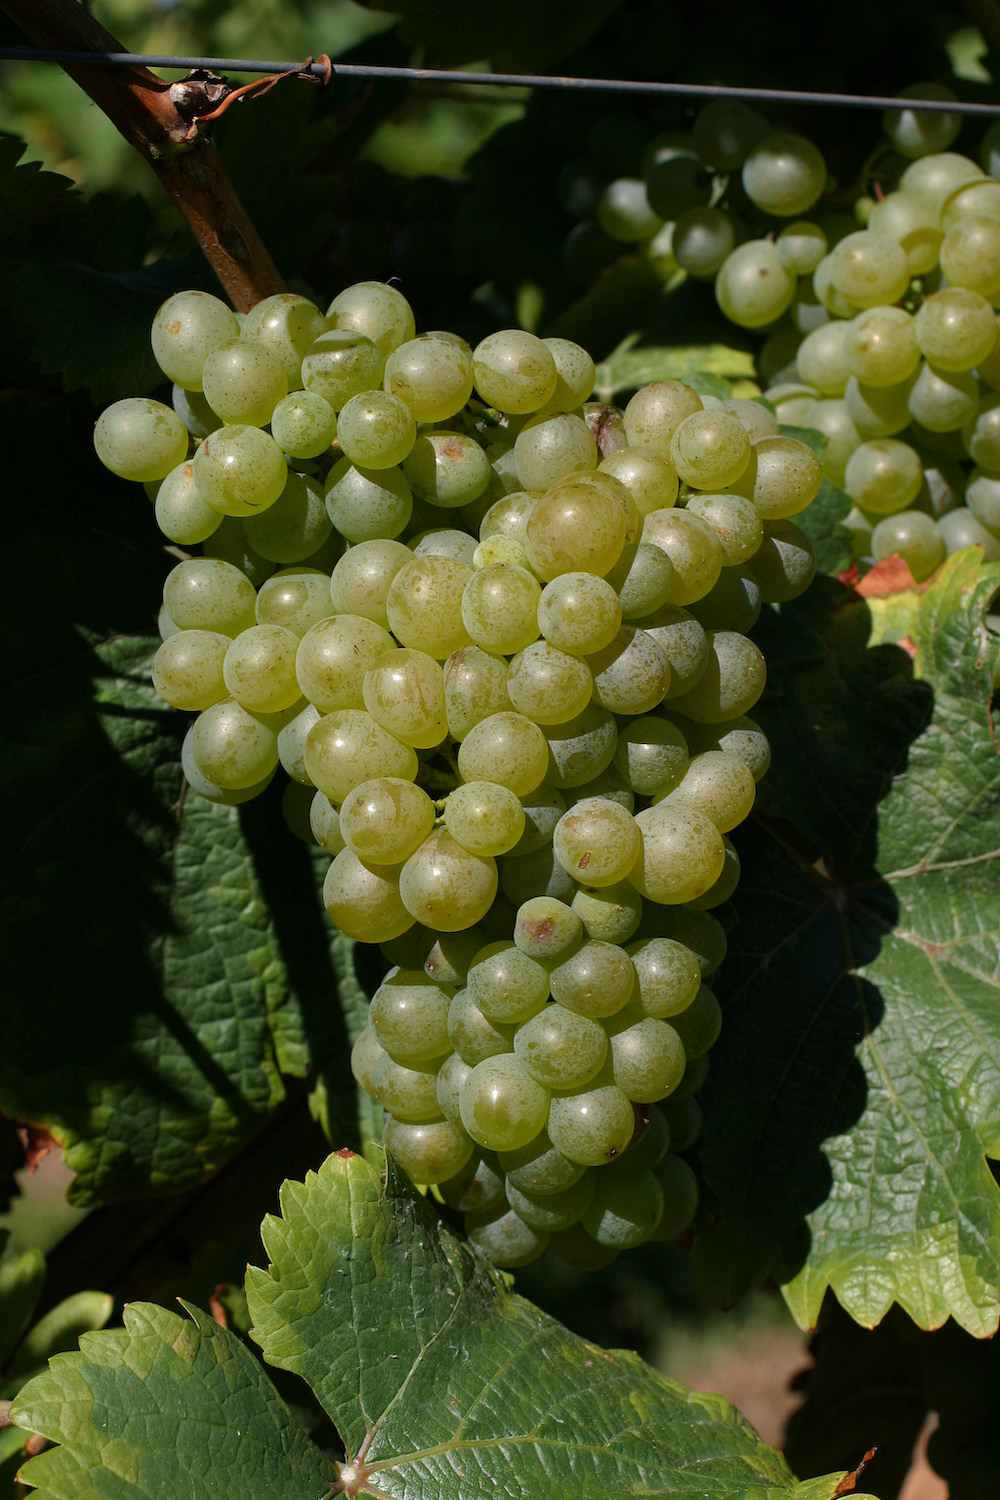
(161, 121)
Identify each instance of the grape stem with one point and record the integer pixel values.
(161, 120)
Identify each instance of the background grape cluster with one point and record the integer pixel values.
(495, 634)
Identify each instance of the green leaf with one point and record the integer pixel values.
(854, 1097)
(166, 1406)
(524, 36)
(29, 197)
(22, 1277)
(61, 1328)
(628, 368)
(442, 1382)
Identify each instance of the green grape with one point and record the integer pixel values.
(682, 856)
(692, 546)
(943, 400)
(981, 434)
(683, 642)
(988, 154)
(642, 578)
(140, 439)
(450, 955)
(478, 1188)
(365, 504)
(834, 421)
(574, 527)
(542, 810)
(648, 1146)
(631, 674)
(623, 211)
(725, 131)
(514, 371)
(677, 183)
(548, 686)
(324, 820)
(699, 1024)
(827, 295)
(791, 401)
(937, 176)
(445, 541)
(655, 412)
(917, 133)
(580, 748)
(243, 380)
(539, 1169)
(347, 747)
(667, 974)
(752, 286)
(910, 219)
(295, 801)
(484, 817)
(801, 246)
(432, 375)
(546, 929)
(982, 496)
(450, 1077)
(710, 449)
(203, 593)
(229, 544)
(741, 737)
(884, 476)
(424, 605)
(551, 1212)
(502, 1106)
(684, 1122)
(408, 1094)
(404, 692)
(292, 750)
(735, 519)
(651, 755)
(551, 446)
(702, 239)
(722, 889)
(956, 329)
(596, 980)
(233, 747)
(536, 874)
(446, 887)
(295, 526)
(473, 1037)
(340, 364)
(575, 375)
(376, 310)
(506, 984)
(988, 369)
(259, 669)
(303, 424)
(240, 470)
(506, 748)
(649, 476)
(375, 430)
(732, 682)
(428, 1152)
(210, 790)
(784, 174)
(361, 579)
(579, 613)
(912, 535)
(980, 198)
(187, 669)
(508, 517)
(597, 842)
(958, 529)
(611, 913)
(593, 1126)
(475, 688)
(697, 930)
(869, 268)
(181, 513)
(385, 820)
(574, 1247)
(505, 1239)
(754, 417)
(365, 1055)
(287, 325)
(296, 599)
(448, 469)
(500, 607)
(878, 411)
(680, 1196)
(187, 327)
(647, 1057)
(970, 255)
(194, 411)
(821, 358)
(333, 657)
(409, 1015)
(733, 603)
(363, 901)
(717, 783)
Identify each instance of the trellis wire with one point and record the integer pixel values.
(503, 80)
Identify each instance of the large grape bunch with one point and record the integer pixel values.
(495, 634)
(879, 325)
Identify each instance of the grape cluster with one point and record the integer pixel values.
(512, 708)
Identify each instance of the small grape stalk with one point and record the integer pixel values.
(508, 677)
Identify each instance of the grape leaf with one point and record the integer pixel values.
(855, 1093)
(29, 197)
(442, 1382)
(166, 1406)
(628, 367)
